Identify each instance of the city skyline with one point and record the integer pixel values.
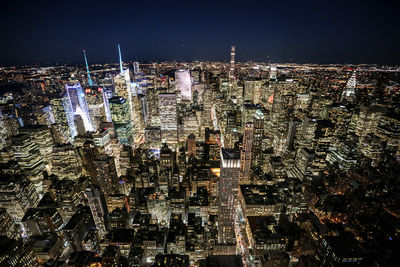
(200, 134)
(312, 32)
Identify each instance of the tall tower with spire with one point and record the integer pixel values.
(90, 82)
(124, 89)
(350, 86)
(120, 60)
(232, 64)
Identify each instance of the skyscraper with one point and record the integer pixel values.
(98, 206)
(191, 146)
(272, 72)
(66, 163)
(27, 154)
(61, 109)
(232, 64)
(122, 122)
(246, 153)
(228, 192)
(168, 117)
(350, 86)
(78, 104)
(183, 84)
(41, 136)
(98, 105)
(79, 125)
(17, 195)
(136, 68)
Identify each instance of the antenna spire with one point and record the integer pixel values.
(87, 69)
(120, 59)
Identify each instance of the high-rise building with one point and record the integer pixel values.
(27, 154)
(7, 225)
(302, 164)
(15, 253)
(273, 72)
(42, 220)
(232, 63)
(306, 134)
(124, 88)
(168, 117)
(66, 163)
(3, 132)
(45, 116)
(46, 248)
(350, 86)
(368, 120)
(78, 104)
(17, 195)
(62, 114)
(41, 136)
(246, 153)
(120, 116)
(258, 136)
(253, 90)
(99, 109)
(98, 206)
(228, 193)
(79, 125)
(136, 68)
(191, 146)
(106, 173)
(183, 84)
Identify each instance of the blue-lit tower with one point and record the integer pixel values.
(78, 104)
(120, 59)
(87, 69)
(106, 105)
(69, 113)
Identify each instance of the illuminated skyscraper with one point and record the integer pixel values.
(183, 84)
(106, 173)
(66, 163)
(63, 114)
(7, 225)
(27, 154)
(246, 153)
(17, 195)
(272, 72)
(253, 90)
(3, 132)
(228, 193)
(350, 86)
(78, 104)
(168, 117)
(232, 64)
(258, 136)
(41, 136)
(99, 109)
(98, 206)
(123, 88)
(136, 68)
(122, 122)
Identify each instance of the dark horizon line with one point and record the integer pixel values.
(53, 64)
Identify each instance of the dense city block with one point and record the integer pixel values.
(199, 164)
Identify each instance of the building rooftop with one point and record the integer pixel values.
(260, 195)
(228, 153)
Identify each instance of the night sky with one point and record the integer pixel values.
(277, 31)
